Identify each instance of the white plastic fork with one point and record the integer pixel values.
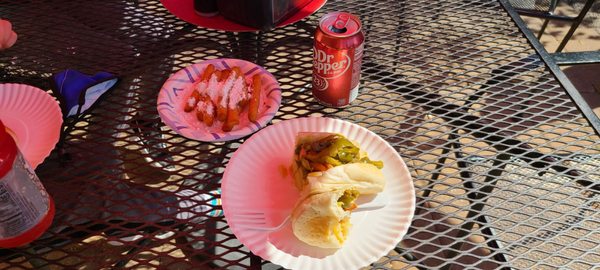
(258, 221)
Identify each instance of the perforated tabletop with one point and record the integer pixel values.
(504, 163)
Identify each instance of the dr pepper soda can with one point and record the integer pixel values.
(337, 56)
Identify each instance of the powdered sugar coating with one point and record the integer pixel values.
(226, 88)
(212, 89)
(192, 102)
(201, 87)
(210, 108)
(238, 92)
(206, 106)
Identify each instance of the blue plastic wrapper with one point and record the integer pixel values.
(77, 92)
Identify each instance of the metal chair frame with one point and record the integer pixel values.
(570, 58)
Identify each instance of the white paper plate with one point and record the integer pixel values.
(253, 180)
(177, 89)
(34, 119)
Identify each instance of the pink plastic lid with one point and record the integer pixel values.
(340, 24)
(8, 151)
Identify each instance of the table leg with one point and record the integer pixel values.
(578, 20)
(478, 197)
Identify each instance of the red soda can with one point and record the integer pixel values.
(337, 57)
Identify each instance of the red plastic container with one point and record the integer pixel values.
(260, 14)
(338, 52)
(26, 209)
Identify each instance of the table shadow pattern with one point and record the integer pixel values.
(504, 165)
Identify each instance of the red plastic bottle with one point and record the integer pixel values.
(26, 209)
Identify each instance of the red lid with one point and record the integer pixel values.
(8, 151)
(340, 24)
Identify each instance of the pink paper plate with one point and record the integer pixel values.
(255, 182)
(176, 90)
(184, 9)
(33, 118)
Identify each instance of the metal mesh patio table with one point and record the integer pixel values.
(502, 150)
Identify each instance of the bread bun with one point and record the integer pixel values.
(364, 177)
(320, 221)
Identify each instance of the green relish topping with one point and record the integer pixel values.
(331, 151)
(347, 200)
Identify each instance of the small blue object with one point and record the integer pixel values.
(215, 201)
(77, 91)
(194, 205)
